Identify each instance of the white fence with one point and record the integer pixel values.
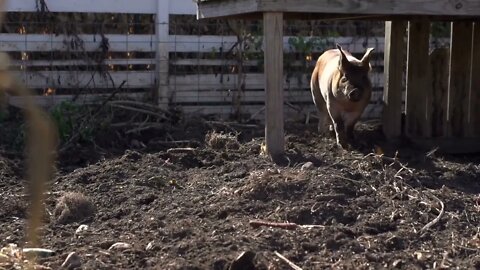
(149, 63)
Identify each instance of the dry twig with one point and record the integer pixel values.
(290, 263)
(180, 150)
(437, 219)
(282, 225)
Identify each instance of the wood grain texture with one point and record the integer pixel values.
(459, 78)
(364, 7)
(394, 57)
(218, 9)
(438, 90)
(417, 79)
(274, 129)
(162, 54)
(474, 107)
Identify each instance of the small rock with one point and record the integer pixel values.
(72, 261)
(397, 263)
(307, 166)
(82, 228)
(38, 252)
(120, 246)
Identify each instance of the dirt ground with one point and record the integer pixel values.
(192, 208)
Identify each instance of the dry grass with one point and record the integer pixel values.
(220, 140)
(73, 207)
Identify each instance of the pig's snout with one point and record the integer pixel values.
(355, 95)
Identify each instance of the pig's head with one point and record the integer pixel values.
(353, 80)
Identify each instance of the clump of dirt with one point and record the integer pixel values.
(221, 140)
(73, 207)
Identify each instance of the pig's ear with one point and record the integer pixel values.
(344, 63)
(366, 58)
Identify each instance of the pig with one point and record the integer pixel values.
(340, 85)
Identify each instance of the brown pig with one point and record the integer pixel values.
(340, 86)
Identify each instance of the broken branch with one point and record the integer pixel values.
(437, 219)
(290, 263)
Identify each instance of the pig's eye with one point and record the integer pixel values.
(343, 80)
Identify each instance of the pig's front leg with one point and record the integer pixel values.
(339, 127)
(350, 120)
(340, 132)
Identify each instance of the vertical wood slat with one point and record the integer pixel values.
(474, 106)
(162, 56)
(394, 58)
(417, 79)
(438, 91)
(459, 78)
(274, 125)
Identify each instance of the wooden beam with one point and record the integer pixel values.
(474, 107)
(459, 78)
(394, 60)
(417, 80)
(458, 8)
(376, 7)
(274, 130)
(216, 9)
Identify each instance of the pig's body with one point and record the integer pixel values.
(341, 87)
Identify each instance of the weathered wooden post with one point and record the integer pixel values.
(417, 124)
(459, 78)
(161, 64)
(273, 58)
(394, 58)
(474, 107)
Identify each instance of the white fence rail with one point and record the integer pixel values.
(199, 92)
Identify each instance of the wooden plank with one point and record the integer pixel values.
(459, 78)
(252, 81)
(49, 101)
(274, 129)
(146, 43)
(225, 95)
(87, 6)
(162, 53)
(246, 63)
(44, 43)
(67, 79)
(376, 7)
(72, 63)
(438, 76)
(213, 9)
(371, 112)
(417, 79)
(474, 105)
(393, 71)
(212, 43)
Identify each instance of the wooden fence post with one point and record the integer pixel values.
(474, 107)
(417, 118)
(162, 58)
(459, 78)
(274, 126)
(394, 58)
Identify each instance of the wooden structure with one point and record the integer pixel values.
(163, 57)
(459, 111)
